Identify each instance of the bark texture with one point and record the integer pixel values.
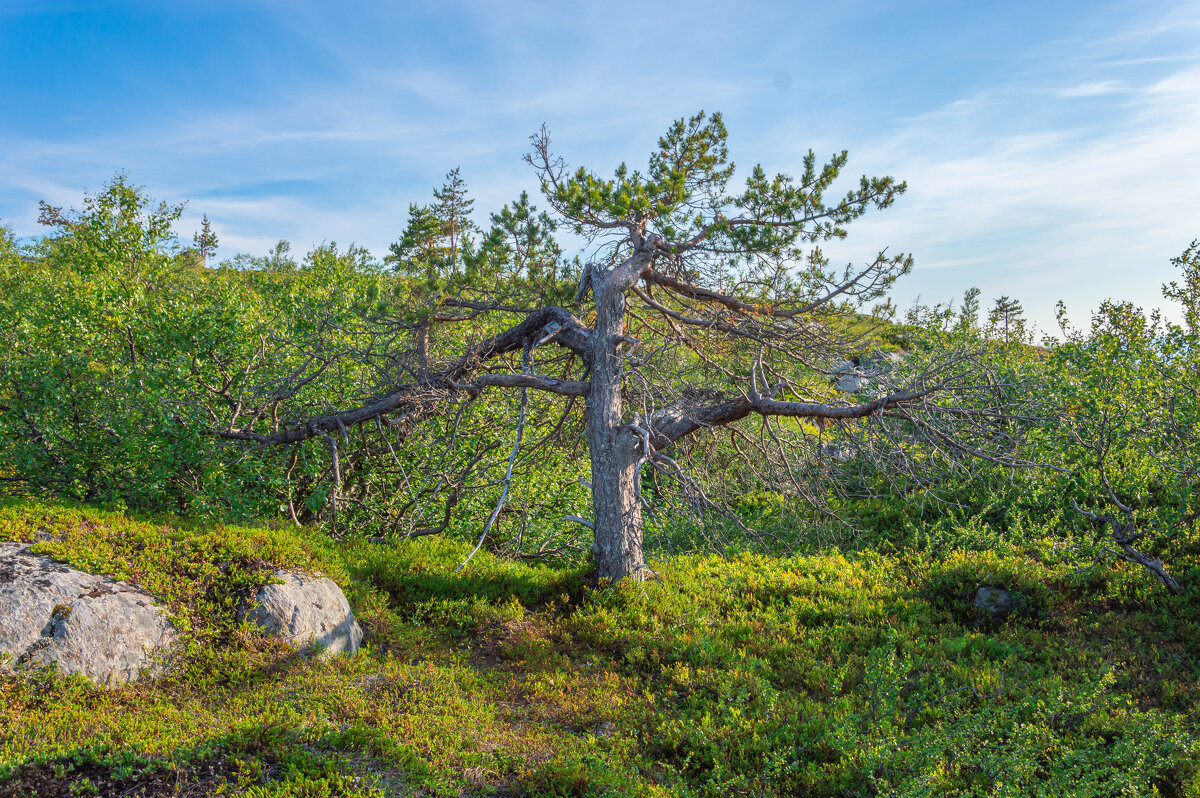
(615, 458)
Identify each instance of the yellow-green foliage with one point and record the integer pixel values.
(816, 675)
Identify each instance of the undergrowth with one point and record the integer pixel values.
(835, 675)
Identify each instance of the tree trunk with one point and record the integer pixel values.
(613, 449)
(423, 349)
(618, 517)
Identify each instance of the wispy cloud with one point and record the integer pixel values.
(1064, 168)
(1048, 200)
(1091, 89)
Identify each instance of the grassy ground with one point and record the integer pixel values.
(828, 676)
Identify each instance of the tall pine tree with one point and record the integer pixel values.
(437, 239)
(206, 240)
(453, 210)
(1007, 314)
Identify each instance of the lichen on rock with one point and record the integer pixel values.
(105, 630)
(305, 610)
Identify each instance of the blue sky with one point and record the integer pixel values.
(1052, 149)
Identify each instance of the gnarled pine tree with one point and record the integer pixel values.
(700, 308)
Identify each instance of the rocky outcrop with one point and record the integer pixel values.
(304, 610)
(882, 361)
(107, 631)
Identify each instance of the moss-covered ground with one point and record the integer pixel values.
(832, 675)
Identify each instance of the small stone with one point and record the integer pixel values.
(834, 452)
(994, 601)
(304, 610)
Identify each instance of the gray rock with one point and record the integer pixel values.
(304, 610)
(832, 451)
(994, 601)
(603, 729)
(852, 382)
(883, 361)
(842, 366)
(107, 631)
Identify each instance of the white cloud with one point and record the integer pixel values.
(1091, 89)
(1044, 199)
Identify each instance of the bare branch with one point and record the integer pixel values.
(420, 396)
(669, 425)
(1124, 534)
(551, 384)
